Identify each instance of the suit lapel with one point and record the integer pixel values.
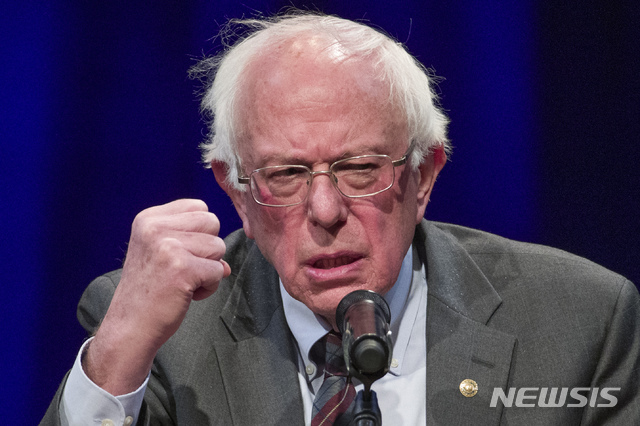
(460, 345)
(258, 363)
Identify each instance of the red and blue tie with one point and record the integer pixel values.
(333, 400)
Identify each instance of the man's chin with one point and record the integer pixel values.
(325, 303)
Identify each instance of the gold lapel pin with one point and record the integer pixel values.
(468, 388)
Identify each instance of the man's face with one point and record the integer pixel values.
(303, 108)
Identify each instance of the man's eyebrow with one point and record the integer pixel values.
(281, 159)
(365, 150)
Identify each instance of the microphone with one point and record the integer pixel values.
(363, 318)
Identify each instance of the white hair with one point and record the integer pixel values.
(410, 83)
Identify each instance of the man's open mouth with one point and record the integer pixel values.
(329, 263)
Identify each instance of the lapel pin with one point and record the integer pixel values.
(468, 388)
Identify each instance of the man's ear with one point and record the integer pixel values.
(239, 198)
(429, 170)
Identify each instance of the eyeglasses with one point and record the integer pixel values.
(354, 177)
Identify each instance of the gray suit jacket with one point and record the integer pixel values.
(502, 313)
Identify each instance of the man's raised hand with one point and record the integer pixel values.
(174, 257)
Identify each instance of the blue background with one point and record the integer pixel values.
(99, 121)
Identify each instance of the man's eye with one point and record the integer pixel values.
(357, 167)
(289, 172)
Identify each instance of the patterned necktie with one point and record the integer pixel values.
(336, 394)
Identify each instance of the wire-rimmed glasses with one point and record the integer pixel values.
(353, 177)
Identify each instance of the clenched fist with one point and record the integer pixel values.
(174, 257)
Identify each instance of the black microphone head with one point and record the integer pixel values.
(363, 318)
(357, 296)
(369, 356)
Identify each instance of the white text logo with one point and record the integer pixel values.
(554, 397)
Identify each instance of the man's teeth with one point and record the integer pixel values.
(332, 263)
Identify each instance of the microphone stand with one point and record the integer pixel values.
(363, 319)
(366, 410)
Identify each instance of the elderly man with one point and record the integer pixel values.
(326, 136)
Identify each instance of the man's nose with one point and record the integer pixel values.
(325, 205)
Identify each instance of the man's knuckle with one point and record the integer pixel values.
(147, 228)
(195, 205)
(177, 264)
(168, 247)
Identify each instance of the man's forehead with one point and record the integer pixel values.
(299, 63)
(307, 82)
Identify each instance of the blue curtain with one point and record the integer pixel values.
(100, 121)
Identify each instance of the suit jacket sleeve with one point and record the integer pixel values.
(619, 364)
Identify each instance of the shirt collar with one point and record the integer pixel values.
(307, 327)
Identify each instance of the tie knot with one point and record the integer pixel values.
(334, 359)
